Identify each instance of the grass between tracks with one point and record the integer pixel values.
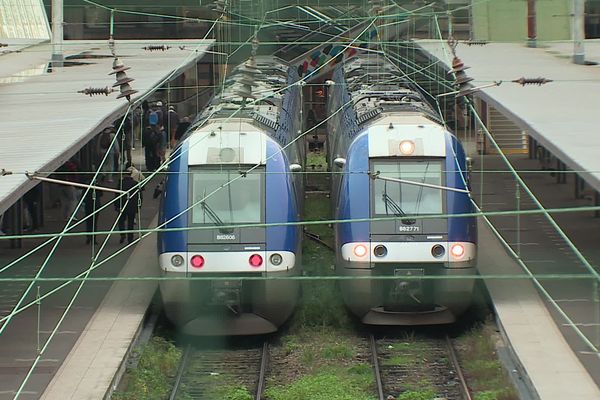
(487, 378)
(319, 354)
(152, 378)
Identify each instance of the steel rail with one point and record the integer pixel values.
(260, 387)
(376, 369)
(454, 360)
(182, 366)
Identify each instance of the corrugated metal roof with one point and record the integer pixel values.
(44, 121)
(563, 116)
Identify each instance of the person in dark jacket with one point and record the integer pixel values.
(129, 208)
(182, 127)
(151, 142)
(92, 202)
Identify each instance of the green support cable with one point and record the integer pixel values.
(574, 248)
(93, 267)
(17, 309)
(67, 309)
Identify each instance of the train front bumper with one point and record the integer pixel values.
(229, 305)
(407, 286)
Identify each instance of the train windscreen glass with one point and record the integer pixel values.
(395, 198)
(238, 202)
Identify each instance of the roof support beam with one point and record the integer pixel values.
(57, 32)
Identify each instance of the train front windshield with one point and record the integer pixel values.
(394, 198)
(218, 203)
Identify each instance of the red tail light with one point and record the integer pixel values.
(255, 260)
(197, 261)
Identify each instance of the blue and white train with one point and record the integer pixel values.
(228, 186)
(397, 170)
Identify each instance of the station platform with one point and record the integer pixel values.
(552, 359)
(547, 365)
(89, 369)
(27, 332)
(560, 115)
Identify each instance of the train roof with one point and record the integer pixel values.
(377, 86)
(260, 78)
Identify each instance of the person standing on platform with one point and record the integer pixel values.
(69, 194)
(106, 145)
(172, 122)
(151, 142)
(162, 144)
(129, 208)
(32, 201)
(158, 109)
(182, 128)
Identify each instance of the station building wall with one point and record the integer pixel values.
(506, 20)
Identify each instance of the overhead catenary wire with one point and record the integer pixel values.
(502, 213)
(588, 267)
(160, 172)
(59, 237)
(50, 254)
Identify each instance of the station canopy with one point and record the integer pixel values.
(561, 115)
(45, 121)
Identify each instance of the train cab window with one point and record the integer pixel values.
(394, 198)
(238, 202)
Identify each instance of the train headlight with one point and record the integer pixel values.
(360, 250)
(380, 250)
(255, 260)
(177, 260)
(276, 259)
(438, 251)
(407, 147)
(197, 261)
(457, 250)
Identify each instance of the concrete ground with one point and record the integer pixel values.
(28, 331)
(543, 250)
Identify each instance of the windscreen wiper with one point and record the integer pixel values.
(215, 218)
(398, 211)
(211, 214)
(391, 203)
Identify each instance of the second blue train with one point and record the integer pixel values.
(400, 175)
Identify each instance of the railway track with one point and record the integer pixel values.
(417, 365)
(208, 374)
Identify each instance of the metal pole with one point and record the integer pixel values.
(597, 311)
(111, 34)
(57, 32)
(531, 24)
(578, 31)
(518, 197)
(39, 318)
